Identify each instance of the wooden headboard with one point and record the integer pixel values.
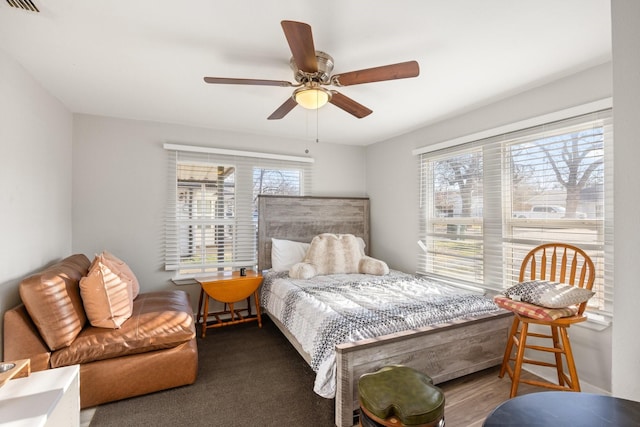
(302, 218)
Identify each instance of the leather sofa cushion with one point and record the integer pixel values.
(52, 298)
(160, 320)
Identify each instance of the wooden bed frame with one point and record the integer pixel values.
(443, 351)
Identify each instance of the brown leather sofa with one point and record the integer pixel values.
(155, 349)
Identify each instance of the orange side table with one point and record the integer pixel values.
(229, 288)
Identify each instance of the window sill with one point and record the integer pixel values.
(191, 279)
(596, 322)
(184, 281)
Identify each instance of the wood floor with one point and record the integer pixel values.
(470, 399)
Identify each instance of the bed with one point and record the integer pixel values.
(444, 350)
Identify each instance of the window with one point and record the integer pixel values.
(454, 227)
(484, 204)
(212, 208)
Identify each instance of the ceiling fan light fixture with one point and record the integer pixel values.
(311, 97)
(312, 69)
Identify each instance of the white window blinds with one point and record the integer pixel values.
(211, 221)
(486, 203)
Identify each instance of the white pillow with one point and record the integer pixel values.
(286, 253)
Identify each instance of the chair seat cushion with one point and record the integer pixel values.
(401, 391)
(534, 311)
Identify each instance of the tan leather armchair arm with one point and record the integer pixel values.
(22, 340)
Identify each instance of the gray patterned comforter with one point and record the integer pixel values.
(333, 309)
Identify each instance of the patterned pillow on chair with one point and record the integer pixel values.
(548, 294)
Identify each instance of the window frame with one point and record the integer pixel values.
(495, 278)
(241, 247)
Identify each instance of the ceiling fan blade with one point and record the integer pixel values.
(283, 110)
(255, 82)
(349, 105)
(300, 41)
(401, 70)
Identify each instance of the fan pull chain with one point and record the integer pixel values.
(317, 125)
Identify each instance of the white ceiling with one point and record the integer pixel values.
(146, 59)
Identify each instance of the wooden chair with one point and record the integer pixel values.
(555, 262)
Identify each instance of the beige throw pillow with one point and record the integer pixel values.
(122, 270)
(334, 254)
(373, 266)
(107, 298)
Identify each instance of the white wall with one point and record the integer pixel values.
(626, 104)
(114, 161)
(120, 184)
(35, 179)
(392, 184)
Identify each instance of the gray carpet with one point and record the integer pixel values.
(247, 376)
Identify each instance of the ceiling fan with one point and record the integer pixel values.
(312, 71)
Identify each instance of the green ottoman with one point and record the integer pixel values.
(399, 396)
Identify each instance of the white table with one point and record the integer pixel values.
(44, 398)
